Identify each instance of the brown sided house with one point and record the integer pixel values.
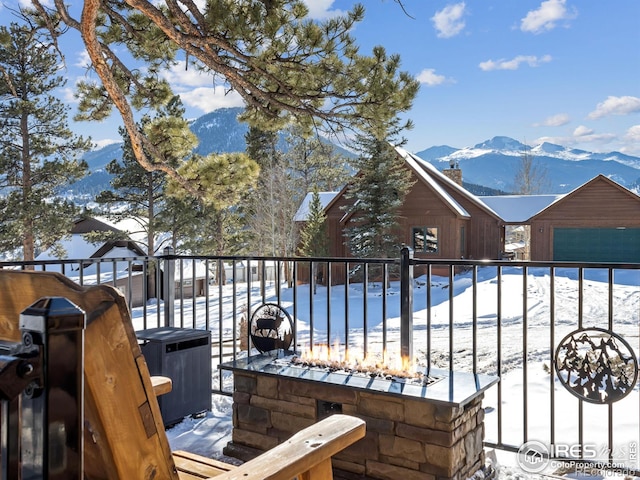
(439, 218)
(597, 222)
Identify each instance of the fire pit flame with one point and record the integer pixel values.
(332, 360)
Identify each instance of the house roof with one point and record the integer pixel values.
(428, 174)
(303, 211)
(77, 247)
(511, 209)
(424, 173)
(599, 178)
(519, 208)
(107, 250)
(436, 178)
(90, 224)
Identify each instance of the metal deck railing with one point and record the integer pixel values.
(492, 317)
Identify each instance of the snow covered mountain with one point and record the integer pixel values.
(494, 163)
(487, 167)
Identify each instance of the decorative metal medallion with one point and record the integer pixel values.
(271, 328)
(596, 365)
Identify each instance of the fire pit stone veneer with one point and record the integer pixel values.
(414, 432)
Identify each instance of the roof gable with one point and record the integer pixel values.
(436, 178)
(570, 197)
(427, 180)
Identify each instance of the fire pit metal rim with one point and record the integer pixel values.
(453, 389)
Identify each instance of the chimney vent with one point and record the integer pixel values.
(454, 174)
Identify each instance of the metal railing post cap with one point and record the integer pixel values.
(406, 250)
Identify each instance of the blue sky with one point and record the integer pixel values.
(564, 71)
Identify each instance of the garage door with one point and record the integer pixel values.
(596, 244)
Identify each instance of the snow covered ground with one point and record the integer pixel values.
(518, 294)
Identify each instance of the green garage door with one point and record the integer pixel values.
(596, 244)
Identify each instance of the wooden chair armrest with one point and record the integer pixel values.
(161, 385)
(307, 454)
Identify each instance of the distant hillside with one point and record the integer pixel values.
(98, 179)
(217, 132)
(220, 132)
(494, 163)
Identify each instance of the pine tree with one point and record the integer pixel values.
(382, 182)
(314, 164)
(139, 191)
(313, 236)
(377, 192)
(38, 152)
(284, 65)
(262, 146)
(209, 224)
(267, 206)
(314, 241)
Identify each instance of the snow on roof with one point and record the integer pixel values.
(303, 211)
(75, 246)
(132, 226)
(519, 208)
(413, 161)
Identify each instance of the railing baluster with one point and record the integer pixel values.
(429, 319)
(346, 311)
(328, 305)
(311, 303)
(552, 347)
(525, 370)
(451, 319)
(499, 350)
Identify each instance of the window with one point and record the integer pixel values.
(425, 239)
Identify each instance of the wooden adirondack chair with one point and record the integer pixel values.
(124, 435)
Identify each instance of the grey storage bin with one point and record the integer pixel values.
(184, 355)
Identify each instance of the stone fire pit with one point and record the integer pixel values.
(414, 430)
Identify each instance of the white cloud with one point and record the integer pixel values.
(448, 21)
(557, 120)
(68, 96)
(82, 60)
(633, 134)
(430, 78)
(546, 16)
(616, 106)
(321, 9)
(180, 77)
(209, 99)
(514, 64)
(582, 131)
